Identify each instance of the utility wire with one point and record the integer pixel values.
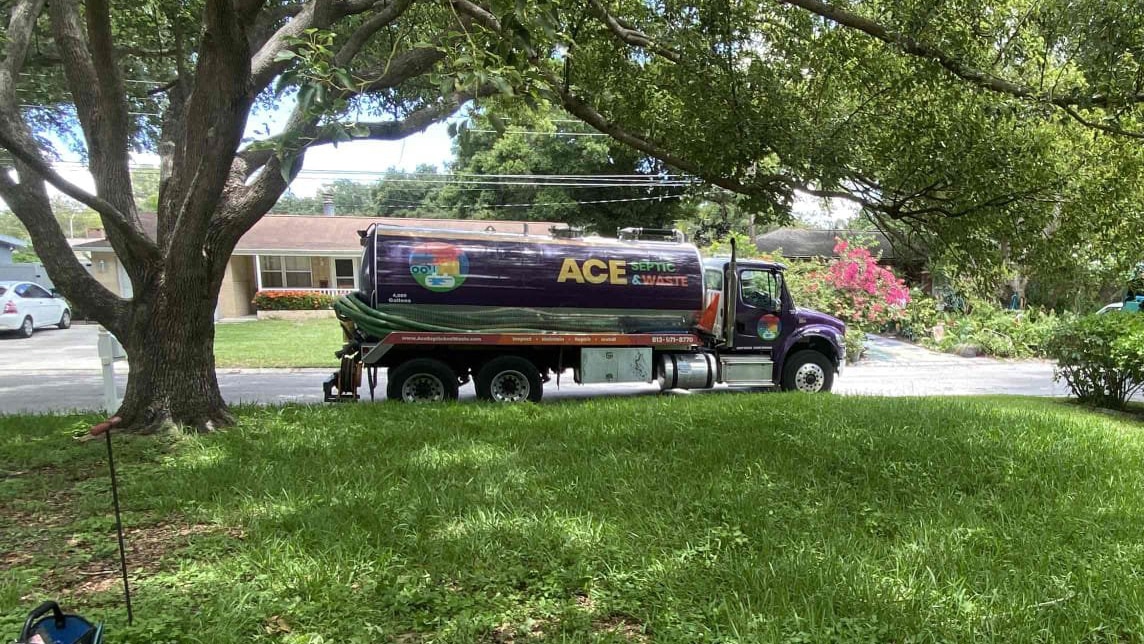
(496, 181)
(542, 133)
(547, 203)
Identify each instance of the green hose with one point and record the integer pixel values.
(380, 322)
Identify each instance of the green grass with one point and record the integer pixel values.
(277, 344)
(716, 518)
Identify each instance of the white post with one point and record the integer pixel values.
(107, 356)
(257, 273)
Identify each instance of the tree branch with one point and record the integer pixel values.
(320, 14)
(245, 204)
(19, 35)
(392, 11)
(763, 185)
(29, 201)
(110, 164)
(631, 36)
(1100, 126)
(263, 66)
(960, 69)
(267, 22)
(103, 117)
(406, 65)
(214, 118)
(136, 239)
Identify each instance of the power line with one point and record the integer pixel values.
(549, 203)
(56, 107)
(125, 80)
(535, 176)
(471, 179)
(539, 133)
(633, 184)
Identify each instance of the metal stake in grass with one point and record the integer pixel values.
(105, 429)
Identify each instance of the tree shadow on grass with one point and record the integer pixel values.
(690, 519)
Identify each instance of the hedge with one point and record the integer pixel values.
(1101, 357)
(292, 301)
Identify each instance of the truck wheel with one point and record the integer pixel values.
(808, 371)
(509, 379)
(422, 380)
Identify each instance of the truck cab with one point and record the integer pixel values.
(755, 316)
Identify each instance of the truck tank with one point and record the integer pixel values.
(431, 280)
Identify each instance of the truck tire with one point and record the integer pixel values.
(509, 379)
(808, 371)
(422, 380)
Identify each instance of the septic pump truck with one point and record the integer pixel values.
(510, 312)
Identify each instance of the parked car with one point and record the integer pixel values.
(1108, 308)
(25, 307)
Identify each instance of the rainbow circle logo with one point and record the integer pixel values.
(438, 267)
(769, 326)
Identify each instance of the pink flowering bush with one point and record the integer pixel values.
(853, 287)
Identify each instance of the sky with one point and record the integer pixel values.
(323, 163)
(359, 160)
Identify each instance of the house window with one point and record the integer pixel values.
(288, 272)
(344, 273)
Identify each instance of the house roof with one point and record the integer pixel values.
(12, 242)
(321, 233)
(802, 243)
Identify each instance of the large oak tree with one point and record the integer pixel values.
(763, 98)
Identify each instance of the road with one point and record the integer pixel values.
(60, 371)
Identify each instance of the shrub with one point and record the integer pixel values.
(855, 344)
(918, 318)
(292, 301)
(997, 332)
(1101, 357)
(853, 287)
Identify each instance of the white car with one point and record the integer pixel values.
(25, 307)
(1109, 308)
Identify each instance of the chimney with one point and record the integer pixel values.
(328, 203)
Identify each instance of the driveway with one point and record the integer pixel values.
(896, 368)
(59, 371)
(51, 350)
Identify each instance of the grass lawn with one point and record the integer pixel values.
(715, 518)
(277, 343)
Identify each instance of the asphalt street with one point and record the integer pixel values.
(60, 371)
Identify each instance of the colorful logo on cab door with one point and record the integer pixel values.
(769, 327)
(438, 267)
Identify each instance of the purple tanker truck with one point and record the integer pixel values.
(510, 312)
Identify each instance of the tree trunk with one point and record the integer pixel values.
(169, 340)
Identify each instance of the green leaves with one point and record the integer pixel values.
(1101, 357)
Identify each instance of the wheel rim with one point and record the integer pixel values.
(809, 378)
(27, 326)
(509, 386)
(423, 387)
(67, 318)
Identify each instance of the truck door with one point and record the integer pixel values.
(759, 317)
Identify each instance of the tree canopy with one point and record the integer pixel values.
(1007, 131)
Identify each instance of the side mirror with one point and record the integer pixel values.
(55, 293)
